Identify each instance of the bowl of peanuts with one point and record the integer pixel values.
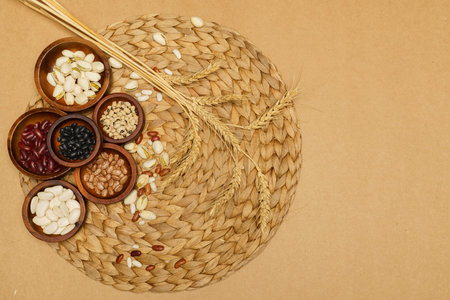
(109, 178)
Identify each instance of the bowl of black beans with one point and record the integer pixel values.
(74, 140)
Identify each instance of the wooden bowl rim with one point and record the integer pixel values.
(73, 108)
(120, 196)
(11, 133)
(97, 134)
(27, 217)
(141, 117)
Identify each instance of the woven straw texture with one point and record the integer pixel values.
(213, 246)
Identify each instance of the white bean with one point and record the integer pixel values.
(34, 202)
(41, 221)
(63, 222)
(66, 195)
(42, 207)
(50, 228)
(74, 216)
(67, 229)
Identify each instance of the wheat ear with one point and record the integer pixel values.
(274, 111)
(214, 100)
(218, 126)
(187, 160)
(264, 201)
(184, 147)
(187, 79)
(233, 185)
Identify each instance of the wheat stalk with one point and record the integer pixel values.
(188, 79)
(214, 100)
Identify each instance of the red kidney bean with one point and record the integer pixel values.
(45, 161)
(35, 153)
(24, 147)
(150, 267)
(164, 172)
(140, 192)
(27, 135)
(41, 149)
(152, 133)
(158, 169)
(26, 142)
(33, 157)
(139, 139)
(158, 247)
(33, 166)
(119, 258)
(25, 164)
(180, 263)
(155, 138)
(44, 124)
(40, 167)
(149, 173)
(135, 216)
(135, 253)
(148, 189)
(38, 133)
(28, 128)
(23, 154)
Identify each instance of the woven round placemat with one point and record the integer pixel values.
(213, 246)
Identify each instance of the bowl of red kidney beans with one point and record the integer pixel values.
(27, 144)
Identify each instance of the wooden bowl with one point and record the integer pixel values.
(130, 164)
(46, 62)
(53, 144)
(15, 135)
(103, 105)
(36, 230)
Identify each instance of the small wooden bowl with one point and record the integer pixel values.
(47, 60)
(15, 135)
(130, 164)
(101, 107)
(53, 144)
(36, 230)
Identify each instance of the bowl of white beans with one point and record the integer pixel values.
(53, 211)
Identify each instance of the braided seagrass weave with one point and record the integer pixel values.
(213, 245)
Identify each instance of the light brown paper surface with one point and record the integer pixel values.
(371, 215)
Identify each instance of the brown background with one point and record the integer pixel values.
(371, 217)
